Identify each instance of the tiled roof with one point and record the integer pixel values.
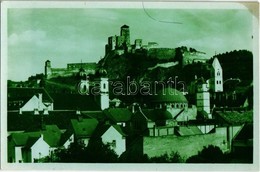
(235, 117)
(74, 102)
(20, 139)
(99, 115)
(25, 94)
(118, 114)
(31, 141)
(119, 129)
(29, 121)
(84, 127)
(51, 135)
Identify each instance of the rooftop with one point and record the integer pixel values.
(169, 95)
(24, 95)
(74, 102)
(235, 117)
(51, 135)
(84, 127)
(118, 114)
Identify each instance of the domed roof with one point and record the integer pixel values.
(169, 95)
(157, 114)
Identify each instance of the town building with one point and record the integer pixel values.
(33, 146)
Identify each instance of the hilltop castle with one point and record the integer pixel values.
(122, 44)
(72, 69)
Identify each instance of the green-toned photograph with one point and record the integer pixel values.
(120, 82)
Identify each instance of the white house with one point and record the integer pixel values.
(36, 149)
(115, 137)
(29, 99)
(32, 146)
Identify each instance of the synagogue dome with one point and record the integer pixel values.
(169, 95)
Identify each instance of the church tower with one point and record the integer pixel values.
(84, 86)
(104, 90)
(216, 84)
(203, 98)
(47, 69)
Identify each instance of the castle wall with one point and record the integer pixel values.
(188, 146)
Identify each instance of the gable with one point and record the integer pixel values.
(33, 103)
(17, 97)
(114, 131)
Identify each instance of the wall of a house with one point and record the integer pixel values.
(18, 154)
(112, 134)
(40, 149)
(32, 104)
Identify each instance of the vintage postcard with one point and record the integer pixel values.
(129, 85)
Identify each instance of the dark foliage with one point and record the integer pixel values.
(210, 154)
(174, 157)
(236, 64)
(95, 152)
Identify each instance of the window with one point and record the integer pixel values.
(218, 73)
(113, 143)
(219, 82)
(104, 86)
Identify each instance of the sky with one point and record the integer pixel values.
(69, 35)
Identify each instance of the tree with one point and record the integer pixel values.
(173, 157)
(210, 154)
(95, 152)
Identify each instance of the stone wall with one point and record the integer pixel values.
(187, 145)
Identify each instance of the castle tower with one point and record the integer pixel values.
(216, 84)
(203, 98)
(125, 33)
(112, 42)
(104, 90)
(47, 69)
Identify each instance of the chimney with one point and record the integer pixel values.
(78, 112)
(45, 111)
(80, 117)
(20, 111)
(36, 111)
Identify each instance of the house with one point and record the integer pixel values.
(231, 122)
(82, 129)
(153, 122)
(29, 99)
(118, 116)
(112, 135)
(33, 146)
